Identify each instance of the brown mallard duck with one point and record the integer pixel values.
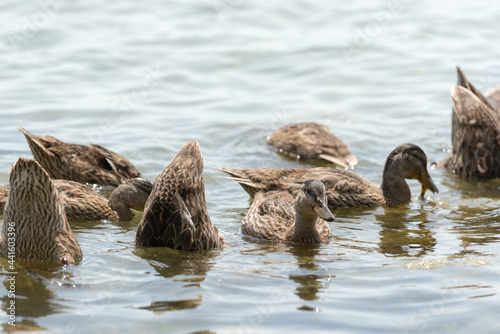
(4, 192)
(83, 204)
(34, 217)
(176, 214)
(312, 142)
(475, 131)
(276, 216)
(345, 188)
(80, 163)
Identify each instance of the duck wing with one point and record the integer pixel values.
(463, 82)
(254, 180)
(312, 142)
(270, 216)
(344, 188)
(175, 213)
(80, 163)
(82, 203)
(4, 192)
(475, 136)
(34, 208)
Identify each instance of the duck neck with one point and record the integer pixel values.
(304, 230)
(395, 190)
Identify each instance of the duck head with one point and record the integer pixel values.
(408, 161)
(311, 200)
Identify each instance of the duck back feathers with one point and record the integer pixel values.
(312, 142)
(475, 132)
(175, 213)
(80, 163)
(35, 211)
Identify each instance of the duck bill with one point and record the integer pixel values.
(427, 184)
(323, 211)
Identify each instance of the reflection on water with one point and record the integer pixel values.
(311, 278)
(190, 268)
(476, 225)
(173, 305)
(405, 232)
(31, 293)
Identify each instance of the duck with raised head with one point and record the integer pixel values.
(81, 203)
(175, 213)
(34, 217)
(475, 132)
(345, 188)
(80, 163)
(276, 216)
(312, 142)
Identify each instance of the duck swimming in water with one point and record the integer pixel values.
(312, 142)
(176, 214)
(276, 216)
(80, 163)
(81, 203)
(475, 133)
(34, 217)
(345, 188)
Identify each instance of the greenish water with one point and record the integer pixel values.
(144, 78)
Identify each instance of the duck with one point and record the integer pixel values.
(312, 142)
(345, 188)
(82, 203)
(175, 214)
(475, 133)
(276, 216)
(84, 164)
(35, 226)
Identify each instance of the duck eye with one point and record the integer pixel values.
(320, 205)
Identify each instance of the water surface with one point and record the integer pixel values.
(144, 78)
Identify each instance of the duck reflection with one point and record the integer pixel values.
(400, 236)
(476, 226)
(187, 268)
(312, 279)
(32, 298)
(475, 213)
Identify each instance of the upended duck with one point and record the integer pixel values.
(345, 188)
(312, 142)
(84, 204)
(80, 163)
(175, 213)
(276, 216)
(475, 133)
(34, 221)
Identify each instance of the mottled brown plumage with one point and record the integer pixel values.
(4, 192)
(36, 216)
(84, 204)
(176, 214)
(84, 164)
(312, 142)
(277, 217)
(475, 132)
(345, 188)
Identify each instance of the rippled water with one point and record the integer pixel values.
(142, 78)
